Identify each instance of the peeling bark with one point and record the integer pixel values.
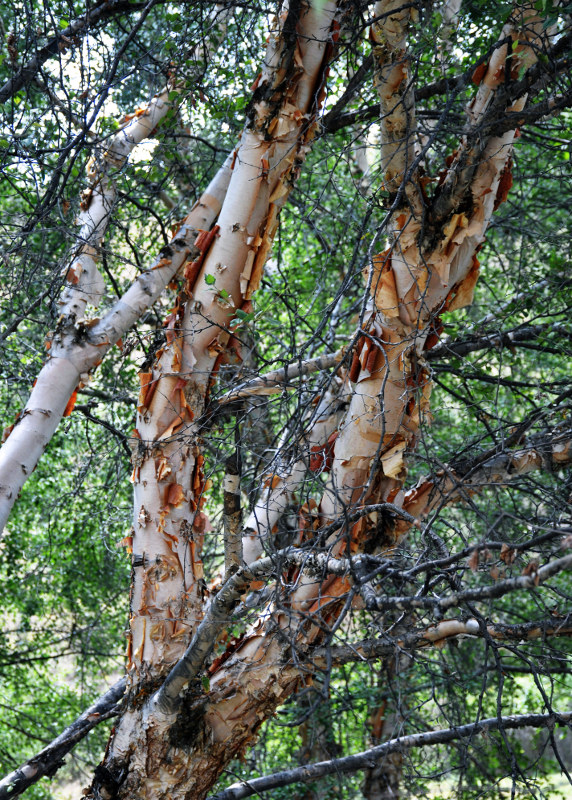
(280, 485)
(176, 735)
(151, 754)
(552, 452)
(410, 284)
(75, 351)
(85, 285)
(78, 344)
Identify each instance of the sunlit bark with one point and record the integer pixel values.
(75, 350)
(177, 733)
(410, 284)
(78, 345)
(151, 754)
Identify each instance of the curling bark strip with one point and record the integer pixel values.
(430, 494)
(169, 482)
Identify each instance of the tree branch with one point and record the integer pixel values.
(479, 594)
(100, 13)
(386, 647)
(369, 758)
(276, 381)
(525, 333)
(47, 762)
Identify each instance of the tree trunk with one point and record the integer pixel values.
(410, 284)
(157, 748)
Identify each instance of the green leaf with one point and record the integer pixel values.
(224, 293)
(210, 280)
(206, 683)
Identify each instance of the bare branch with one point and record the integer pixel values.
(386, 647)
(101, 13)
(277, 380)
(50, 759)
(369, 758)
(479, 594)
(520, 335)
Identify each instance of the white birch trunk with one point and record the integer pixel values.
(74, 354)
(151, 750)
(78, 345)
(388, 402)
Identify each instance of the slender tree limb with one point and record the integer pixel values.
(81, 25)
(122, 437)
(232, 508)
(70, 363)
(369, 758)
(478, 594)
(276, 381)
(357, 79)
(497, 117)
(50, 759)
(513, 338)
(532, 112)
(386, 647)
(13, 326)
(335, 120)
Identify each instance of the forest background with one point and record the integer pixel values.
(443, 613)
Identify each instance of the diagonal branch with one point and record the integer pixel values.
(50, 759)
(102, 12)
(479, 594)
(368, 758)
(524, 333)
(73, 358)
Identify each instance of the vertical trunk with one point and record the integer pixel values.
(169, 484)
(411, 283)
(153, 753)
(383, 781)
(317, 735)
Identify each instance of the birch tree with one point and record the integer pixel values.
(349, 449)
